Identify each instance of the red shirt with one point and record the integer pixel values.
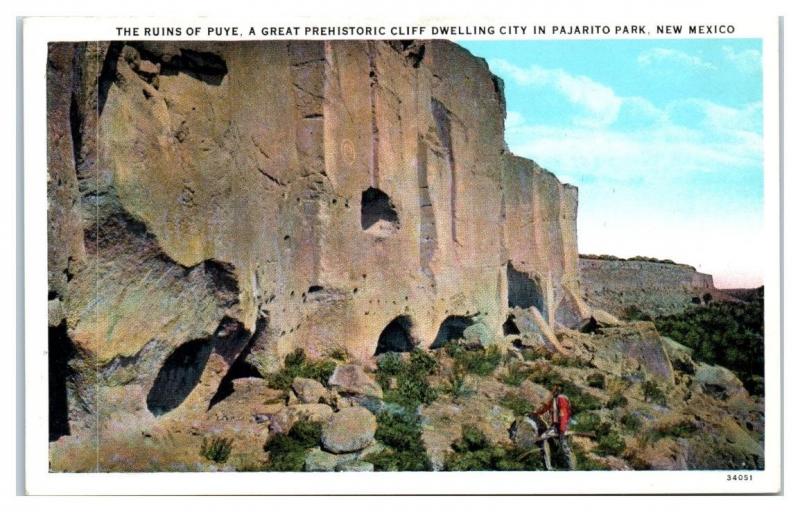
(562, 412)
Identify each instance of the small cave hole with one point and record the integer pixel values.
(451, 329)
(314, 289)
(378, 214)
(396, 336)
(510, 326)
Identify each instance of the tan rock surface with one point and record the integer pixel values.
(275, 195)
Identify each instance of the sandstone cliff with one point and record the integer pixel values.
(655, 288)
(214, 206)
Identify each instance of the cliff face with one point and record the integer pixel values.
(654, 288)
(221, 204)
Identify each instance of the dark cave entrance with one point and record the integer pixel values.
(451, 329)
(179, 375)
(377, 211)
(510, 326)
(396, 336)
(59, 352)
(523, 292)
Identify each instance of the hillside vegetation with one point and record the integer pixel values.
(726, 334)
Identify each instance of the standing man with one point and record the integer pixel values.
(560, 412)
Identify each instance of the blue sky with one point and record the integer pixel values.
(662, 137)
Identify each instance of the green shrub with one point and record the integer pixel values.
(412, 387)
(615, 401)
(583, 462)
(579, 400)
(631, 422)
(402, 436)
(287, 452)
(476, 360)
(297, 365)
(473, 452)
(456, 385)
(596, 380)
(588, 422)
(684, 428)
(339, 354)
(610, 443)
(519, 405)
(216, 449)
(653, 393)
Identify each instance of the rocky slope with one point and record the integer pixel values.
(640, 402)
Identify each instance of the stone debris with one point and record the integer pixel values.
(349, 430)
(351, 379)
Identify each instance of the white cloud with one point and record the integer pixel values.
(514, 119)
(657, 56)
(746, 61)
(725, 138)
(599, 102)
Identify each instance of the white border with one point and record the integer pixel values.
(37, 32)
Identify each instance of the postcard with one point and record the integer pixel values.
(308, 256)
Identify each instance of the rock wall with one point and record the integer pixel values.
(654, 288)
(218, 203)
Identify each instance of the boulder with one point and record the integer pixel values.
(478, 334)
(311, 412)
(355, 465)
(679, 355)
(524, 433)
(373, 448)
(352, 379)
(308, 391)
(318, 460)
(717, 381)
(283, 420)
(349, 430)
(55, 312)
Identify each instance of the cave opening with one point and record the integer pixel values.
(451, 329)
(59, 352)
(523, 292)
(510, 326)
(378, 214)
(179, 375)
(396, 336)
